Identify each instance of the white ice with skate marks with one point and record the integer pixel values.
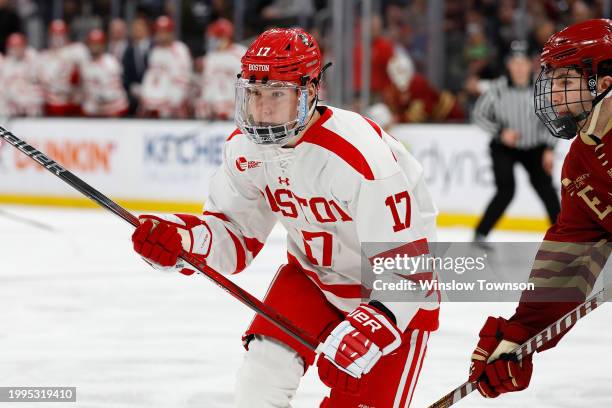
(79, 308)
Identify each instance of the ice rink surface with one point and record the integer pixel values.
(79, 308)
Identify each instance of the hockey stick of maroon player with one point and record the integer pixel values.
(530, 346)
(243, 296)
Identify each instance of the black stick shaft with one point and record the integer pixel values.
(224, 283)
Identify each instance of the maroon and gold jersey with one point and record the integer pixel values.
(577, 246)
(586, 179)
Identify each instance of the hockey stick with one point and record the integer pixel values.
(224, 283)
(530, 346)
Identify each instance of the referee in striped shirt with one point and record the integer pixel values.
(505, 111)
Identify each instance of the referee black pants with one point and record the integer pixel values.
(504, 158)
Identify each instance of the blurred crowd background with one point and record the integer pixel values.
(402, 61)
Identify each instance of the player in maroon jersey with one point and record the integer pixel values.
(571, 98)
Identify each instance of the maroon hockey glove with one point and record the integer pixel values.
(355, 345)
(494, 368)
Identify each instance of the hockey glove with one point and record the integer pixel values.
(494, 368)
(355, 345)
(160, 240)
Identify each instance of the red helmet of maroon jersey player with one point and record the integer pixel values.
(569, 87)
(277, 89)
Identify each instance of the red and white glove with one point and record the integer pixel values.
(355, 345)
(494, 368)
(161, 239)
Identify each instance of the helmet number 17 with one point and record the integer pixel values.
(263, 51)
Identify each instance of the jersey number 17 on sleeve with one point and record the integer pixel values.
(392, 202)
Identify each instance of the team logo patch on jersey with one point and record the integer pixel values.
(242, 164)
(572, 186)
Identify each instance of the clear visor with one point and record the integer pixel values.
(270, 113)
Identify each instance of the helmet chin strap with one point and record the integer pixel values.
(566, 127)
(310, 114)
(595, 114)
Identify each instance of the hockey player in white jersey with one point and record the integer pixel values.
(334, 179)
(59, 72)
(166, 83)
(103, 93)
(221, 63)
(19, 82)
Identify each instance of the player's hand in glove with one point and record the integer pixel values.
(494, 368)
(355, 345)
(160, 239)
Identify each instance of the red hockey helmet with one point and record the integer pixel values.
(574, 52)
(221, 28)
(164, 23)
(96, 36)
(283, 54)
(581, 45)
(58, 27)
(277, 67)
(16, 40)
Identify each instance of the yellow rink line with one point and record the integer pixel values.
(444, 219)
(81, 202)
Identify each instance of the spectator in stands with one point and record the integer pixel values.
(506, 112)
(21, 91)
(544, 29)
(135, 60)
(382, 50)
(117, 38)
(412, 98)
(59, 72)
(580, 12)
(103, 93)
(478, 53)
(9, 23)
(263, 14)
(221, 64)
(381, 114)
(166, 83)
(505, 26)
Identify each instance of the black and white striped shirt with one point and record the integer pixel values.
(506, 106)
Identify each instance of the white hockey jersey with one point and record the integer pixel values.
(217, 93)
(346, 182)
(166, 83)
(58, 72)
(103, 93)
(20, 86)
